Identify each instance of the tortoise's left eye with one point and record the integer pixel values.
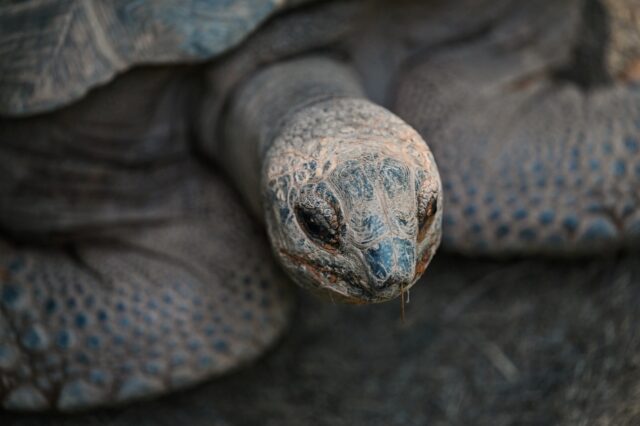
(427, 209)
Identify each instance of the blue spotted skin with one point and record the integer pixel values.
(529, 164)
(163, 308)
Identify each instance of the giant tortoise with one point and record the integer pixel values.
(129, 267)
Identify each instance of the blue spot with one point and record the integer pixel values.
(124, 322)
(502, 231)
(64, 339)
(210, 330)
(80, 320)
(570, 222)
(10, 294)
(284, 213)
(35, 338)
(471, 191)
(102, 315)
(541, 182)
(380, 259)
(469, 210)
(82, 358)
(494, 215)
(631, 144)
(93, 342)
(120, 307)
(527, 234)
(537, 167)
(599, 229)
(594, 164)
(221, 346)
(520, 214)
(151, 304)
(97, 376)
(607, 148)
(194, 344)
(71, 303)
(546, 217)
(619, 168)
(167, 299)
(50, 306)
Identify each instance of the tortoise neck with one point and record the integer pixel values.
(264, 104)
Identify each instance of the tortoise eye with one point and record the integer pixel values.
(319, 221)
(427, 208)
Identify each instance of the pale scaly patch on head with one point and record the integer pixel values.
(352, 200)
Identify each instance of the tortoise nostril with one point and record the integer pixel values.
(391, 262)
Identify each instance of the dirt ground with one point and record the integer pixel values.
(527, 342)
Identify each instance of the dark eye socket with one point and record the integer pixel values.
(427, 208)
(319, 221)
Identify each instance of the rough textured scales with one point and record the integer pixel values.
(130, 267)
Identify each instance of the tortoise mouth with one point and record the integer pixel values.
(338, 294)
(328, 283)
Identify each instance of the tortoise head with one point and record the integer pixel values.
(353, 201)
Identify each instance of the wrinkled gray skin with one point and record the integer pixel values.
(131, 269)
